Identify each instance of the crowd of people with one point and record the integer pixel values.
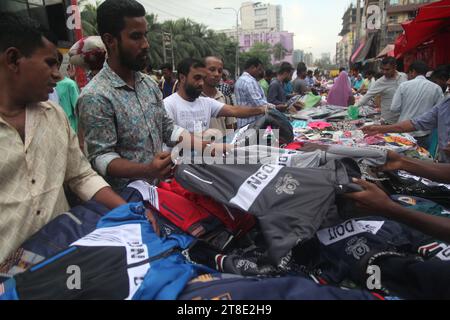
(120, 126)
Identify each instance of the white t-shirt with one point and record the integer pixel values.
(192, 116)
(54, 97)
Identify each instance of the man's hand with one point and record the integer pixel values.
(372, 130)
(372, 200)
(282, 107)
(161, 166)
(394, 162)
(268, 107)
(447, 150)
(299, 105)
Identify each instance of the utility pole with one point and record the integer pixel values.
(384, 24)
(164, 48)
(237, 11)
(172, 52)
(168, 46)
(358, 20)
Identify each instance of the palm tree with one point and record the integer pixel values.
(190, 39)
(279, 51)
(89, 17)
(259, 50)
(155, 39)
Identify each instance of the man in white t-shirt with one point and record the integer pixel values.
(191, 111)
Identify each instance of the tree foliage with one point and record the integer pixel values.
(260, 50)
(190, 39)
(279, 51)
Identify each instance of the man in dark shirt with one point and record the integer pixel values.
(169, 83)
(300, 84)
(277, 95)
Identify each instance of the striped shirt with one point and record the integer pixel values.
(249, 93)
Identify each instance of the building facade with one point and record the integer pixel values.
(344, 47)
(261, 16)
(309, 59)
(262, 23)
(398, 12)
(390, 13)
(299, 56)
(248, 38)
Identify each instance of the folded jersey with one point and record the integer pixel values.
(122, 259)
(289, 203)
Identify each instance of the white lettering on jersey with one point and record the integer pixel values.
(285, 160)
(148, 192)
(444, 254)
(253, 186)
(130, 237)
(348, 229)
(135, 278)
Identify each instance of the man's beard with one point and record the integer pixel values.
(192, 92)
(132, 63)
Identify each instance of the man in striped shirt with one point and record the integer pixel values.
(248, 91)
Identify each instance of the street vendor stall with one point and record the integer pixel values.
(427, 37)
(269, 222)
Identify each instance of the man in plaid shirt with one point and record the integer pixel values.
(248, 91)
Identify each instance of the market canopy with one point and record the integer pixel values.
(363, 50)
(388, 51)
(431, 20)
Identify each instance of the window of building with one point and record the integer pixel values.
(393, 19)
(260, 11)
(261, 23)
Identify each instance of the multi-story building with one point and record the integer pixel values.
(261, 16)
(393, 14)
(299, 56)
(380, 25)
(345, 46)
(326, 57)
(309, 59)
(248, 38)
(397, 12)
(262, 23)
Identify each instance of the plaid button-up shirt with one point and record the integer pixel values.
(249, 93)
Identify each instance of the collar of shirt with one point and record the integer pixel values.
(385, 79)
(248, 75)
(420, 78)
(219, 95)
(116, 80)
(31, 107)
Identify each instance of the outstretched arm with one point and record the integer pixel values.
(374, 200)
(439, 172)
(241, 112)
(405, 126)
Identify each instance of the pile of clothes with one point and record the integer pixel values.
(330, 125)
(270, 217)
(230, 231)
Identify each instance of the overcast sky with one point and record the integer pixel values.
(315, 23)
